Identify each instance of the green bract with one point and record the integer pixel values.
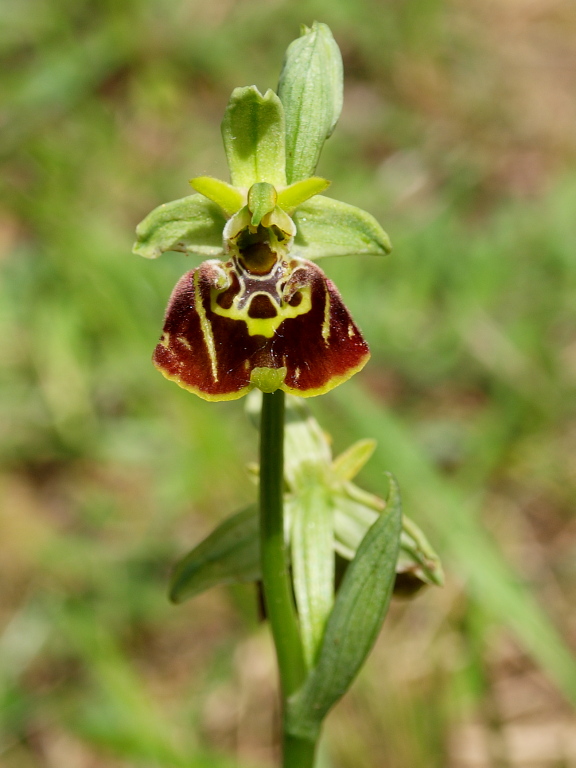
(234, 545)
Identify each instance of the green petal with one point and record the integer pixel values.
(310, 88)
(253, 134)
(327, 227)
(225, 195)
(192, 225)
(296, 194)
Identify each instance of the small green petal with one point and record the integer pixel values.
(192, 225)
(296, 194)
(254, 138)
(225, 195)
(327, 227)
(347, 465)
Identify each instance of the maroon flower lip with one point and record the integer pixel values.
(228, 329)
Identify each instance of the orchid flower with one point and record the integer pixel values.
(259, 312)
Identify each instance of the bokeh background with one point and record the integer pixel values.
(458, 134)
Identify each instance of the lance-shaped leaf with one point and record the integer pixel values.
(312, 547)
(327, 227)
(231, 553)
(254, 139)
(354, 622)
(192, 224)
(310, 87)
(226, 332)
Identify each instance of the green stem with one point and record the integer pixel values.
(275, 574)
(298, 753)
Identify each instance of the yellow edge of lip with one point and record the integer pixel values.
(204, 395)
(331, 384)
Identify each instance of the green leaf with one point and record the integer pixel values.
(310, 87)
(231, 553)
(254, 141)
(225, 195)
(312, 543)
(354, 623)
(327, 227)
(192, 224)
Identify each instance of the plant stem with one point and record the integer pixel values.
(275, 574)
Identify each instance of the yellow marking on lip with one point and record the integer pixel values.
(184, 341)
(326, 323)
(268, 326)
(205, 326)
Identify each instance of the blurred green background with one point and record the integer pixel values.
(458, 134)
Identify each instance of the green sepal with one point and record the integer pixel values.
(311, 90)
(327, 227)
(230, 554)
(312, 549)
(353, 624)
(296, 194)
(225, 195)
(192, 224)
(254, 140)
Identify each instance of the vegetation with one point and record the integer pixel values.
(461, 142)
